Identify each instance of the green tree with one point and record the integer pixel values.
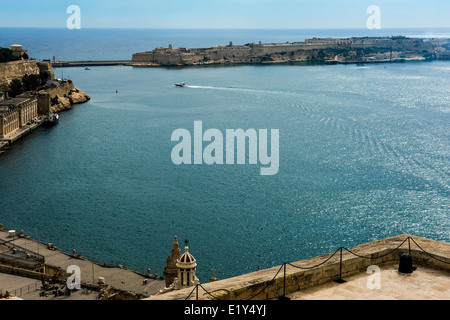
(15, 87)
(31, 82)
(43, 76)
(6, 55)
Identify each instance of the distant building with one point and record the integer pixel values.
(17, 50)
(15, 113)
(9, 120)
(444, 55)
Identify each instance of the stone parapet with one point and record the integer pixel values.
(291, 277)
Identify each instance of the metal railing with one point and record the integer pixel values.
(26, 289)
(340, 280)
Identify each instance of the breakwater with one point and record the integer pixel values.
(60, 64)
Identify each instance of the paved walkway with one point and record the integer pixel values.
(29, 289)
(119, 278)
(423, 284)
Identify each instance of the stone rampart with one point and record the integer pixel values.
(290, 277)
(16, 70)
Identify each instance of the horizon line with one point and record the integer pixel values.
(228, 28)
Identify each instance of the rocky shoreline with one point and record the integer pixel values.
(64, 95)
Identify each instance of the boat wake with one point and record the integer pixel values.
(236, 89)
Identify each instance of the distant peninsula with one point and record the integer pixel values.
(322, 50)
(355, 50)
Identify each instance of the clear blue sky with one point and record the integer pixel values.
(266, 14)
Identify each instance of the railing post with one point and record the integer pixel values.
(284, 280)
(283, 297)
(340, 280)
(409, 245)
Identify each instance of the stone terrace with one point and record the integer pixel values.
(316, 278)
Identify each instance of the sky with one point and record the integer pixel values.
(225, 14)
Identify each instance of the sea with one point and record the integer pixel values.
(364, 153)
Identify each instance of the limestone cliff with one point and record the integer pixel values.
(65, 95)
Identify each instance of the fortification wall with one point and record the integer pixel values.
(283, 52)
(47, 68)
(143, 57)
(272, 283)
(16, 70)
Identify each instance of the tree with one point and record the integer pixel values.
(31, 82)
(43, 75)
(6, 55)
(15, 87)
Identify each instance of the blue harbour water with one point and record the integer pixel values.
(364, 155)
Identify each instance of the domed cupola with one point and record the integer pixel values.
(186, 259)
(186, 264)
